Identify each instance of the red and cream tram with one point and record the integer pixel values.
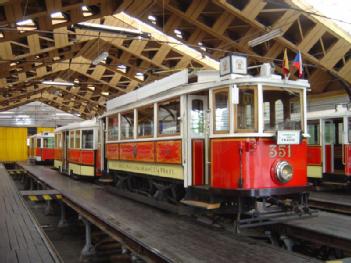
(76, 149)
(41, 148)
(329, 145)
(211, 139)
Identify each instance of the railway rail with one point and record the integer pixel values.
(330, 201)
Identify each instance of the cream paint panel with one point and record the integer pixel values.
(57, 164)
(81, 169)
(162, 170)
(314, 171)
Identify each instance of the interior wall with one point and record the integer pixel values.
(43, 129)
(13, 144)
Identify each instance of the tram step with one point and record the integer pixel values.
(205, 205)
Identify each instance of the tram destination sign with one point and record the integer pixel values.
(288, 137)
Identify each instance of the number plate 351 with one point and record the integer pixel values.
(281, 151)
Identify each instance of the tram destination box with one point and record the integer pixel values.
(288, 137)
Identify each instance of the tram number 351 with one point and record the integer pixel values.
(281, 151)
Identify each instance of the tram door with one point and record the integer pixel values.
(65, 141)
(198, 139)
(333, 146)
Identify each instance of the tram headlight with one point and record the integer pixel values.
(283, 171)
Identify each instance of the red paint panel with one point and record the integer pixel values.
(47, 154)
(348, 159)
(112, 151)
(145, 152)
(74, 155)
(314, 155)
(169, 152)
(58, 154)
(198, 162)
(87, 157)
(127, 151)
(328, 158)
(259, 157)
(37, 151)
(98, 162)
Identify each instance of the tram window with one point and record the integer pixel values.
(282, 109)
(146, 121)
(197, 121)
(48, 143)
(112, 132)
(87, 139)
(246, 110)
(77, 139)
(340, 133)
(349, 130)
(71, 139)
(168, 117)
(314, 132)
(127, 125)
(221, 114)
(38, 143)
(329, 132)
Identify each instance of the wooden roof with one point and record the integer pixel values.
(48, 48)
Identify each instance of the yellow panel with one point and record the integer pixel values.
(13, 144)
(162, 170)
(75, 168)
(57, 164)
(81, 169)
(314, 171)
(47, 197)
(45, 129)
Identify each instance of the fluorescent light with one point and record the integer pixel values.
(112, 29)
(25, 22)
(100, 58)
(22, 116)
(105, 93)
(91, 87)
(266, 37)
(7, 112)
(57, 83)
(62, 114)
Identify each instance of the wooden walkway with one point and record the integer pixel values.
(175, 238)
(21, 239)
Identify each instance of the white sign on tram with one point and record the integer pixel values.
(288, 137)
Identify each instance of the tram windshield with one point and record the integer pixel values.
(282, 109)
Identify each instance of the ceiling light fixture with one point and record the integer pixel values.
(100, 58)
(57, 83)
(112, 29)
(266, 37)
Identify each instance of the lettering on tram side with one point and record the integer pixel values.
(281, 151)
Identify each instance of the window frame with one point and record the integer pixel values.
(301, 105)
(214, 91)
(117, 115)
(132, 126)
(73, 138)
(93, 145)
(80, 139)
(157, 117)
(153, 121)
(256, 117)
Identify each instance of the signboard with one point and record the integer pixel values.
(233, 64)
(288, 137)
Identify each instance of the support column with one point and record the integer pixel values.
(49, 210)
(63, 221)
(88, 249)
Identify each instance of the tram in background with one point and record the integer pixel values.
(329, 155)
(41, 148)
(76, 149)
(218, 140)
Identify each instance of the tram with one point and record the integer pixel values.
(329, 145)
(76, 149)
(41, 148)
(210, 139)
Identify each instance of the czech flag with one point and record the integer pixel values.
(285, 67)
(297, 63)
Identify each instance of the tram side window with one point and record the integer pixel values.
(221, 113)
(169, 117)
(127, 125)
(71, 139)
(87, 139)
(38, 143)
(314, 132)
(48, 143)
(112, 132)
(77, 139)
(349, 130)
(281, 109)
(246, 110)
(146, 121)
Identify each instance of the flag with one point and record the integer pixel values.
(298, 63)
(285, 67)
